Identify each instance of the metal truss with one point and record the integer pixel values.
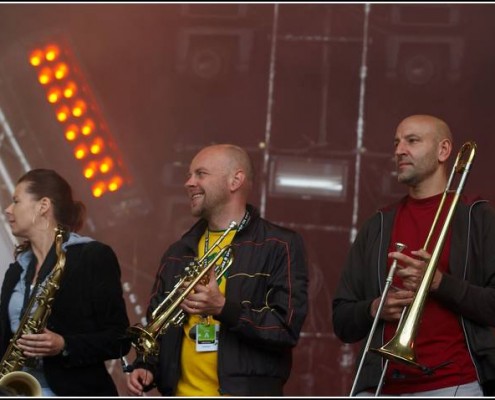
(13, 163)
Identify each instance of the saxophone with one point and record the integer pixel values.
(168, 313)
(16, 381)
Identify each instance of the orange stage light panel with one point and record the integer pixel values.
(79, 116)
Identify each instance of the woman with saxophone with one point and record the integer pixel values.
(86, 320)
(454, 343)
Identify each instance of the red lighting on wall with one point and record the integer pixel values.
(75, 109)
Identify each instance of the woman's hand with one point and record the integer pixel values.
(46, 343)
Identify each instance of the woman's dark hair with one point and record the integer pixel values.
(41, 183)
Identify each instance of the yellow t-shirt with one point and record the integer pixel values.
(199, 369)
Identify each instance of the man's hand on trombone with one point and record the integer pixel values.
(411, 269)
(394, 304)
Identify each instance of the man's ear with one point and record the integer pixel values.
(237, 180)
(444, 150)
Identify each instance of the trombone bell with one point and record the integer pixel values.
(396, 351)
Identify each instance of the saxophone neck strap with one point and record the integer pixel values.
(45, 269)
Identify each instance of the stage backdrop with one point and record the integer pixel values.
(313, 92)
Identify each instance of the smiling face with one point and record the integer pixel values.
(23, 211)
(208, 182)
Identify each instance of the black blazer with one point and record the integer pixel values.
(89, 311)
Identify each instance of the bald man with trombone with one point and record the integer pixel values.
(418, 285)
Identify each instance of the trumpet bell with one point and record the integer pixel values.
(143, 341)
(19, 383)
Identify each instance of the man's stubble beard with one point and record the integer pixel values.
(409, 180)
(419, 174)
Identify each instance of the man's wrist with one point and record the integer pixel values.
(373, 308)
(436, 281)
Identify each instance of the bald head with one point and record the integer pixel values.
(233, 158)
(433, 125)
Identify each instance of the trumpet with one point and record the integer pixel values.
(168, 314)
(401, 347)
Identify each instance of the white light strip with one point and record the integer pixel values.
(310, 183)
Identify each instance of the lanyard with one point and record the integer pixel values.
(28, 279)
(226, 257)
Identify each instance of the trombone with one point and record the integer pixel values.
(401, 347)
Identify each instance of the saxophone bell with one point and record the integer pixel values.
(19, 383)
